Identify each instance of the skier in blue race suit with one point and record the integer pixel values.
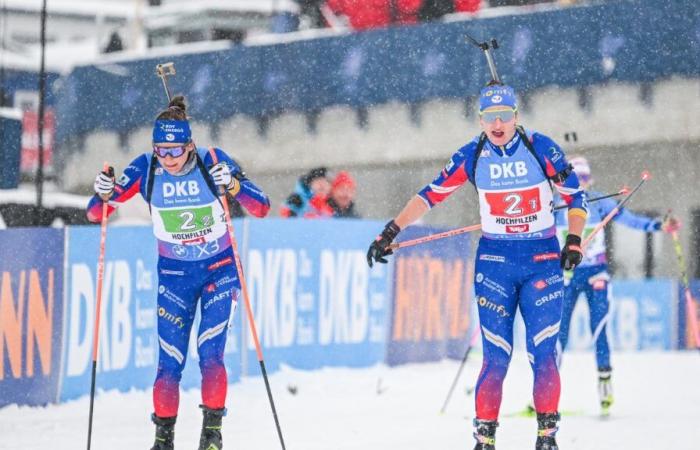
(518, 261)
(591, 277)
(180, 182)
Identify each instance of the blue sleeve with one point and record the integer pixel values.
(628, 218)
(451, 177)
(251, 197)
(131, 182)
(554, 162)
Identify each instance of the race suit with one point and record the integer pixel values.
(195, 265)
(517, 260)
(591, 277)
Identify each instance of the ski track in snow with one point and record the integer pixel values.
(657, 406)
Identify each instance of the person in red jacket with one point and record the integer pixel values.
(368, 14)
(467, 5)
(406, 11)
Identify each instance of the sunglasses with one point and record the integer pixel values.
(506, 115)
(175, 152)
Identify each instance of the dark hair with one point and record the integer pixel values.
(318, 172)
(177, 110)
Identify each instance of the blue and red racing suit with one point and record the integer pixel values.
(196, 264)
(591, 277)
(517, 261)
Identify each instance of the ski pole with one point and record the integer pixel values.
(472, 343)
(645, 176)
(690, 307)
(98, 303)
(433, 237)
(477, 226)
(249, 310)
(622, 191)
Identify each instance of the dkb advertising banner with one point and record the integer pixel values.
(686, 326)
(433, 288)
(31, 315)
(128, 342)
(643, 316)
(315, 300)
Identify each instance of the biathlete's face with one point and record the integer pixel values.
(498, 123)
(584, 180)
(173, 156)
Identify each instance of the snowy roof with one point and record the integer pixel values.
(75, 7)
(27, 196)
(125, 9)
(11, 113)
(260, 6)
(61, 57)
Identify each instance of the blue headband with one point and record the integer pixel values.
(497, 96)
(172, 131)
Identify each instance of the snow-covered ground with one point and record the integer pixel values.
(657, 407)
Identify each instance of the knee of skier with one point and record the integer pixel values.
(497, 363)
(210, 363)
(169, 375)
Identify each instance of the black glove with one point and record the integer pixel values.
(104, 183)
(380, 247)
(571, 254)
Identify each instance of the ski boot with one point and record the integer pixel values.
(605, 390)
(485, 434)
(165, 432)
(546, 431)
(211, 428)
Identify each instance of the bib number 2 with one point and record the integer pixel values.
(514, 204)
(187, 221)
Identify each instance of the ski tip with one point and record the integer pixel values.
(625, 190)
(646, 175)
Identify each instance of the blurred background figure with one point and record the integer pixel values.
(311, 12)
(435, 9)
(342, 198)
(310, 196)
(368, 14)
(592, 277)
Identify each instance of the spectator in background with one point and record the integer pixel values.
(115, 43)
(362, 15)
(368, 14)
(405, 12)
(310, 196)
(343, 196)
(310, 9)
(470, 6)
(435, 9)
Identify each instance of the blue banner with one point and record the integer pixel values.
(566, 47)
(128, 342)
(315, 300)
(686, 328)
(25, 80)
(643, 316)
(31, 315)
(432, 309)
